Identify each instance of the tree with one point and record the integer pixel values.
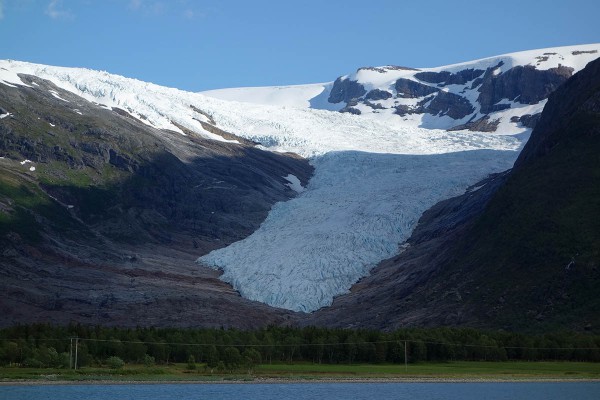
(191, 362)
(212, 357)
(232, 358)
(12, 352)
(251, 358)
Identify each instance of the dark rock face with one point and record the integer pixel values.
(378, 94)
(411, 89)
(403, 110)
(375, 106)
(448, 78)
(527, 120)
(345, 90)
(483, 124)
(526, 85)
(450, 104)
(582, 95)
(351, 110)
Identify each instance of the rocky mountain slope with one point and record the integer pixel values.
(101, 215)
(520, 251)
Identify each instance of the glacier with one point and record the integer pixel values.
(374, 174)
(355, 212)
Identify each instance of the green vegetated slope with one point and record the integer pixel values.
(532, 259)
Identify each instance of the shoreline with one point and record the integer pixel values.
(295, 381)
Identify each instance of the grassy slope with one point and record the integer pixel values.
(424, 371)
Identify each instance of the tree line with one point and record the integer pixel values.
(50, 346)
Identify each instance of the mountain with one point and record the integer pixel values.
(361, 205)
(520, 251)
(496, 94)
(102, 215)
(112, 187)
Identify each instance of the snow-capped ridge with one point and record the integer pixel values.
(153, 105)
(373, 92)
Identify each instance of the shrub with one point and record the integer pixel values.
(148, 361)
(115, 362)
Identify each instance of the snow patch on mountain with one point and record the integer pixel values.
(300, 96)
(294, 183)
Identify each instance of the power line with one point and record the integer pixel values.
(258, 345)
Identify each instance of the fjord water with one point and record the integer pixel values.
(300, 391)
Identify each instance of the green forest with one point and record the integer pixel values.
(54, 346)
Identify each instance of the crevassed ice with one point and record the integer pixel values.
(355, 212)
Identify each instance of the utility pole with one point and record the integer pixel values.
(71, 354)
(405, 356)
(76, 345)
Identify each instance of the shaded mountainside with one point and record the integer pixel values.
(102, 216)
(520, 252)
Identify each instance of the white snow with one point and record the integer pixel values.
(375, 173)
(51, 124)
(8, 76)
(290, 96)
(2, 116)
(294, 183)
(25, 162)
(32, 169)
(55, 94)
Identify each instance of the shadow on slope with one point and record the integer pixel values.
(106, 228)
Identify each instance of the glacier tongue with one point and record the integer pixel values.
(373, 179)
(356, 211)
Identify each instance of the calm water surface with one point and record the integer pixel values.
(328, 391)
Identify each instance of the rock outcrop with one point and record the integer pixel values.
(345, 90)
(523, 84)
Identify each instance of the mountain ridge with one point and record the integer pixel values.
(489, 94)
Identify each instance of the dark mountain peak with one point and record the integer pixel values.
(578, 98)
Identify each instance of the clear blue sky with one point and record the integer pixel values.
(206, 44)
